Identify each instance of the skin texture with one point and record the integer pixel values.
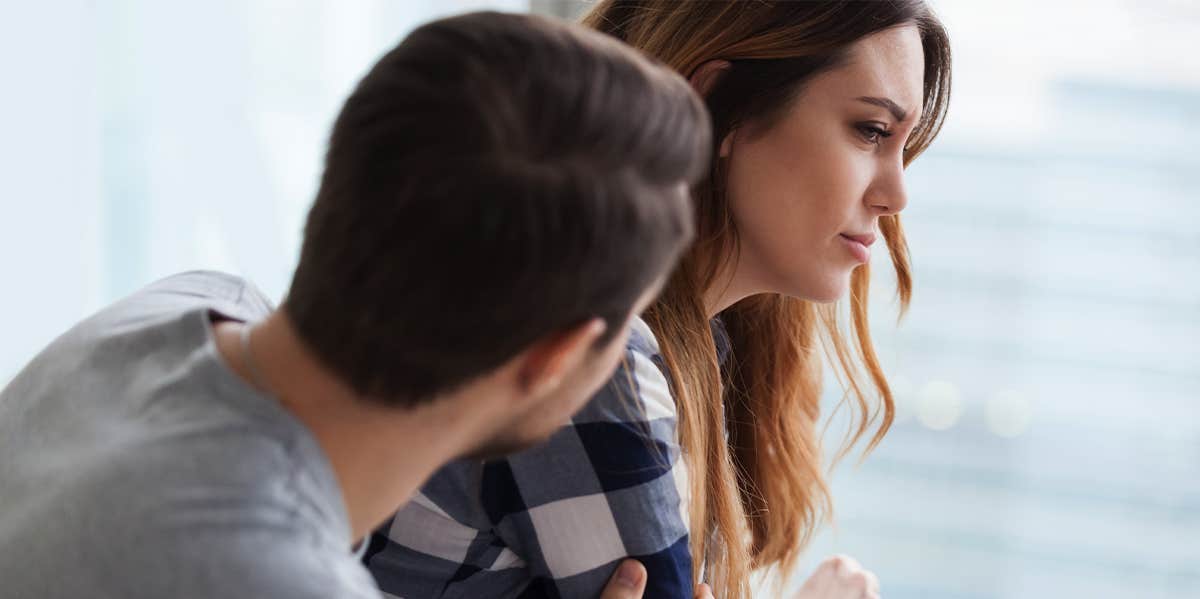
(831, 164)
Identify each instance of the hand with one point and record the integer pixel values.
(840, 577)
(629, 582)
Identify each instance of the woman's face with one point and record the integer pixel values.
(807, 193)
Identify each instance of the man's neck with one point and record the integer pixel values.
(380, 455)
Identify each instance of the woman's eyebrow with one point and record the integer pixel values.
(899, 113)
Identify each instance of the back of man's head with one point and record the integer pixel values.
(494, 179)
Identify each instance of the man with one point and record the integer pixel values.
(501, 194)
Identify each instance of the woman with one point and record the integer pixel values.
(817, 107)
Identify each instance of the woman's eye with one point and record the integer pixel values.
(873, 133)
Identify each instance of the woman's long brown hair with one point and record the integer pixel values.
(750, 436)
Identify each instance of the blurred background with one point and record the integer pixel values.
(1048, 374)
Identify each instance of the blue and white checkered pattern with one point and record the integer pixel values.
(556, 520)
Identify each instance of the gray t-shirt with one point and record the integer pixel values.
(135, 463)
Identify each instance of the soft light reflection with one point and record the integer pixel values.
(1008, 414)
(939, 405)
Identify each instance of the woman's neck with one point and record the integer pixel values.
(730, 286)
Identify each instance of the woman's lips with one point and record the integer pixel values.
(865, 238)
(859, 246)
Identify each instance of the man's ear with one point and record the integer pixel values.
(548, 360)
(703, 80)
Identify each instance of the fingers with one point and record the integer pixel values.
(872, 583)
(840, 577)
(855, 580)
(628, 582)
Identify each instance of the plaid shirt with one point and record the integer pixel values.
(555, 520)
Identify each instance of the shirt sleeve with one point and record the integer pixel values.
(606, 487)
(251, 559)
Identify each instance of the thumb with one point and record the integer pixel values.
(628, 582)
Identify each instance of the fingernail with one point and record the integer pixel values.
(629, 574)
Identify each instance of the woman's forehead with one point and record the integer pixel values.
(886, 65)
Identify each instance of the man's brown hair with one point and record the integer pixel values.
(494, 179)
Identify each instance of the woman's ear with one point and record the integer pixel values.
(703, 80)
(705, 77)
